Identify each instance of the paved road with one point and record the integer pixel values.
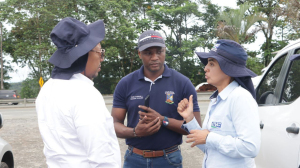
(21, 131)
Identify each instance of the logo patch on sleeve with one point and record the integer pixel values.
(216, 125)
(169, 97)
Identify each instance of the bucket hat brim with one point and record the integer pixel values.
(227, 66)
(295, 57)
(63, 59)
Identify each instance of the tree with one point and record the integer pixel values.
(6, 64)
(240, 26)
(291, 10)
(207, 31)
(272, 12)
(121, 58)
(184, 31)
(29, 44)
(236, 24)
(29, 39)
(30, 88)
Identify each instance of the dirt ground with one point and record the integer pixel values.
(24, 137)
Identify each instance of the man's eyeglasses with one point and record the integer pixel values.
(102, 52)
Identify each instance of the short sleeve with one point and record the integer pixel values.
(120, 95)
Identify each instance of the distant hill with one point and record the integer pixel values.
(16, 86)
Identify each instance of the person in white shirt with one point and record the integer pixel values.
(75, 125)
(230, 136)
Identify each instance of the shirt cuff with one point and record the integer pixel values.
(213, 140)
(192, 125)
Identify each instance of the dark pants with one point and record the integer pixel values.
(171, 160)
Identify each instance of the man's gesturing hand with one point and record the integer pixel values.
(146, 129)
(151, 114)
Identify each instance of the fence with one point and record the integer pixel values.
(24, 101)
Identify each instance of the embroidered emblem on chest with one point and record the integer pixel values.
(169, 97)
(216, 125)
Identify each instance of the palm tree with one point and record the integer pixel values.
(235, 24)
(292, 13)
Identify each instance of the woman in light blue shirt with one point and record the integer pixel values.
(230, 136)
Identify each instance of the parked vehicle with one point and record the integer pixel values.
(277, 94)
(9, 94)
(6, 155)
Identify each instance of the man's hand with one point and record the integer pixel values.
(197, 136)
(145, 129)
(185, 109)
(151, 115)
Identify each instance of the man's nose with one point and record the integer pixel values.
(154, 56)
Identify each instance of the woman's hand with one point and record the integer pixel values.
(185, 109)
(197, 137)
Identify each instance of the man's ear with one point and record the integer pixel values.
(139, 53)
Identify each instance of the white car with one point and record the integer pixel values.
(277, 94)
(6, 155)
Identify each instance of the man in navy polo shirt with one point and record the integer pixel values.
(153, 136)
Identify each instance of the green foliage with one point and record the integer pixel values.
(16, 86)
(272, 12)
(185, 33)
(187, 26)
(270, 49)
(207, 30)
(30, 88)
(235, 24)
(6, 69)
(255, 64)
(6, 64)
(120, 42)
(292, 14)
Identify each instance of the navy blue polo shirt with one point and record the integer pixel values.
(165, 94)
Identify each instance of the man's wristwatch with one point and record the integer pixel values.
(165, 121)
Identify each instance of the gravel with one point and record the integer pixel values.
(27, 145)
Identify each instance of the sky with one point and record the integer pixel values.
(19, 74)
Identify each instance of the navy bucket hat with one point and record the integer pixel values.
(232, 60)
(231, 57)
(73, 40)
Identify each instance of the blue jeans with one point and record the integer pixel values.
(171, 160)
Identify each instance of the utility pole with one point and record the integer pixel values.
(1, 57)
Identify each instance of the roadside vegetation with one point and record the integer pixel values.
(187, 25)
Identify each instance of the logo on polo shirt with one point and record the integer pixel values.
(216, 124)
(136, 97)
(169, 97)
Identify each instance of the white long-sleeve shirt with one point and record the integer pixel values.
(233, 122)
(76, 127)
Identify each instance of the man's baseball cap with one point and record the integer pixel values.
(150, 38)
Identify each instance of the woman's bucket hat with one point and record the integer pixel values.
(232, 60)
(231, 57)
